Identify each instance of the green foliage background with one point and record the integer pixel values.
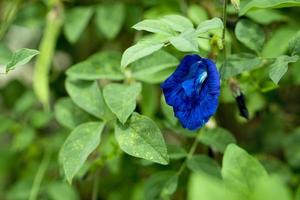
(82, 115)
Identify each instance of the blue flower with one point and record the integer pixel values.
(193, 91)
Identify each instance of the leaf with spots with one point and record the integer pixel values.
(141, 138)
(250, 34)
(121, 99)
(82, 141)
(280, 67)
(68, 114)
(87, 95)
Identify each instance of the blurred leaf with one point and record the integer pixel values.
(196, 13)
(62, 191)
(176, 152)
(160, 185)
(154, 26)
(271, 188)
(87, 95)
(138, 51)
(23, 139)
(5, 54)
(141, 137)
(211, 24)
(256, 4)
(273, 48)
(186, 41)
(25, 102)
(121, 99)
(102, 65)
(238, 63)
(20, 57)
(266, 16)
(5, 123)
(276, 167)
(201, 186)
(109, 18)
(250, 34)
(292, 148)
(280, 67)
(68, 114)
(154, 63)
(178, 22)
(20, 190)
(76, 20)
(149, 102)
(204, 164)
(40, 119)
(82, 141)
(217, 138)
(294, 45)
(241, 171)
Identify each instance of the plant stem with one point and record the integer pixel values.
(190, 154)
(224, 29)
(95, 185)
(39, 175)
(44, 59)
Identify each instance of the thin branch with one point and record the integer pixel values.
(190, 154)
(224, 29)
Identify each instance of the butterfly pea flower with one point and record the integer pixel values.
(193, 91)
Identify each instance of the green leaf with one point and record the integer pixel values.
(201, 186)
(292, 148)
(178, 22)
(88, 96)
(76, 20)
(154, 26)
(20, 57)
(238, 63)
(68, 114)
(197, 14)
(141, 138)
(168, 112)
(241, 171)
(250, 34)
(280, 67)
(273, 48)
(138, 51)
(186, 41)
(23, 138)
(214, 23)
(272, 188)
(121, 99)
(152, 64)
(204, 164)
(255, 4)
(82, 141)
(294, 45)
(160, 185)
(102, 65)
(266, 16)
(62, 191)
(109, 18)
(217, 138)
(157, 77)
